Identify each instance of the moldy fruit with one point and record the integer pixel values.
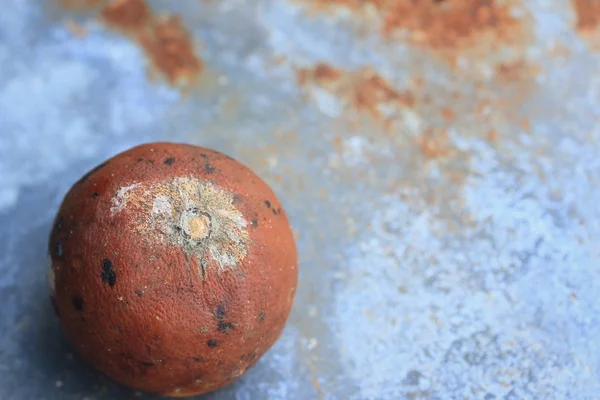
(172, 268)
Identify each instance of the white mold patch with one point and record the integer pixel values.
(192, 214)
(119, 201)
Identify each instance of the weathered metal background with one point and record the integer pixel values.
(439, 161)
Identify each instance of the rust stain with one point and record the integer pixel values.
(164, 39)
(440, 24)
(587, 14)
(170, 47)
(76, 29)
(364, 89)
(447, 23)
(434, 144)
(128, 15)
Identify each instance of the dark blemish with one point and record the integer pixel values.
(148, 364)
(95, 196)
(118, 329)
(261, 315)
(59, 250)
(143, 159)
(209, 168)
(203, 268)
(254, 223)
(412, 378)
(169, 161)
(198, 359)
(220, 314)
(108, 275)
(92, 172)
(59, 224)
(268, 203)
(212, 343)
(274, 211)
(250, 357)
(225, 327)
(140, 293)
(77, 303)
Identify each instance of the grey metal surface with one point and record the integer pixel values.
(449, 253)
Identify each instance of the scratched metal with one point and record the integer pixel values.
(416, 282)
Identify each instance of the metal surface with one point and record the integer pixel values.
(447, 240)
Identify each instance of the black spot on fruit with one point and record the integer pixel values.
(58, 226)
(254, 223)
(58, 250)
(268, 203)
(225, 327)
(212, 343)
(209, 169)
(220, 313)
(169, 161)
(95, 196)
(91, 172)
(77, 303)
(261, 315)
(148, 364)
(139, 292)
(141, 159)
(109, 275)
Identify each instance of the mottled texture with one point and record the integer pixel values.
(181, 295)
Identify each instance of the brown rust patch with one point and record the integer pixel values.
(434, 143)
(364, 89)
(76, 29)
(170, 47)
(440, 24)
(164, 39)
(587, 14)
(448, 23)
(127, 15)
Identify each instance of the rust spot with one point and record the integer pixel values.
(437, 23)
(587, 14)
(443, 24)
(434, 144)
(129, 15)
(364, 89)
(165, 40)
(76, 29)
(170, 47)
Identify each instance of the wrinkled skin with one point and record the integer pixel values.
(173, 268)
